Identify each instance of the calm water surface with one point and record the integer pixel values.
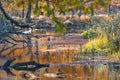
(60, 57)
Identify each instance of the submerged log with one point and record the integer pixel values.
(28, 66)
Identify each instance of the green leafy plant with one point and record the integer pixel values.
(116, 55)
(95, 45)
(88, 34)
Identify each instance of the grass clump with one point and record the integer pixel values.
(116, 55)
(89, 34)
(96, 45)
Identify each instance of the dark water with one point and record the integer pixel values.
(67, 58)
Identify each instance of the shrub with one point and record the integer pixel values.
(88, 34)
(95, 45)
(116, 55)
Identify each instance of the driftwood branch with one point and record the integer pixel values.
(20, 24)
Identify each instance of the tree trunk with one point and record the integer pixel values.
(36, 5)
(28, 15)
(92, 13)
(80, 13)
(48, 3)
(108, 11)
(23, 11)
(92, 9)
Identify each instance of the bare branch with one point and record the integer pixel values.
(20, 24)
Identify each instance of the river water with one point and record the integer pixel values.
(65, 57)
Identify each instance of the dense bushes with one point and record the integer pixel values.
(96, 45)
(105, 36)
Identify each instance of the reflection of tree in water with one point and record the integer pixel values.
(12, 42)
(8, 40)
(114, 70)
(5, 49)
(47, 54)
(20, 66)
(25, 50)
(32, 54)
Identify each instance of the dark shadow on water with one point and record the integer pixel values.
(26, 66)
